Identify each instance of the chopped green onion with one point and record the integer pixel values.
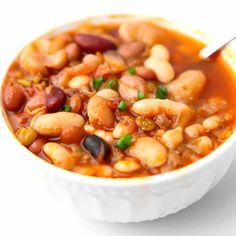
(161, 92)
(124, 142)
(66, 108)
(140, 95)
(122, 106)
(113, 84)
(132, 70)
(98, 82)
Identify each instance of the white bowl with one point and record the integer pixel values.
(136, 199)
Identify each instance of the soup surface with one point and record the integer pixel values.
(118, 100)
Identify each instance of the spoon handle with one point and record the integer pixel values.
(215, 47)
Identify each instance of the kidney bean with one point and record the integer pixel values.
(93, 43)
(145, 73)
(72, 51)
(37, 146)
(55, 99)
(131, 49)
(72, 134)
(13, 97)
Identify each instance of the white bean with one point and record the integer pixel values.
(52, 124)
(211, 123)
(152, 107)
(194, 131)
(173, 138)
(163, 69)
(149, 151)
(108, 94)
(124, 127)
(201, 145)
(127, 166)
(79, 81)
(161, 52)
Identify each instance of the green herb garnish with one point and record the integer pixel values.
(66, 108)
(161, 92)
(113, 84)
(132, 70)
(122, 106)
(124, 142)
(98, 82)
(140, 95)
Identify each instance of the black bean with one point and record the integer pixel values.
(96, 147)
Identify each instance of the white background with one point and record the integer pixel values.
(26, 206)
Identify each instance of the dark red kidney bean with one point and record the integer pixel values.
(55, 99)
(13, 97)
(92, 43)
(37, 146)
(72, 51)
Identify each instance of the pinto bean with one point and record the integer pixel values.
(52, 124)
(149, 151)
(181, 113)
(131, 49)
(59, 155)
(72, 134)
(145, 73)
(73, 51)
(13, 97)
(37, 146)
(100, 113)
(55, 99)
(130, 85)
(93, 43)
(187, 87)
(163, 69)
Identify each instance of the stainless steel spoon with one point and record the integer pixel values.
(215, 47)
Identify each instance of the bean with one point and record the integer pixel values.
(150, 151)
(131, 49)
(52, 124)
(55, 99)
(108, 94)
(56, 61)
(93, 43)
(187, 87)
(163, 69)
(59, 155)
(72, 134)
(79, 81)
(201, 145)
(194, 131)
(124, 127)
(75, 103)
(105, 135)
(160, 51)
(73, 51)
(96, 147)
(127, 166)
(145, 73)
(211, 123)
(173, 138)
(37, 146)
(13, 97)
(99, 112)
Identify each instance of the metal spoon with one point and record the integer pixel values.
(215, 47)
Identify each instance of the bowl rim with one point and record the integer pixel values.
(123, 182)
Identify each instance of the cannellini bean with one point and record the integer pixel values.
(173, 138)
(60, 156)
(194, 131)
(127, 166)
(52, 124)
(108, 94)
(79, 81)
(211, 123)
(130, 85)
(163, 69)
(107, 136)
(150, 151)
(146, 32)
(99, 112)
(124, 127)
(160, 51)
(57, 60)
(187, 87)
(201, 145)
(152, 107)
